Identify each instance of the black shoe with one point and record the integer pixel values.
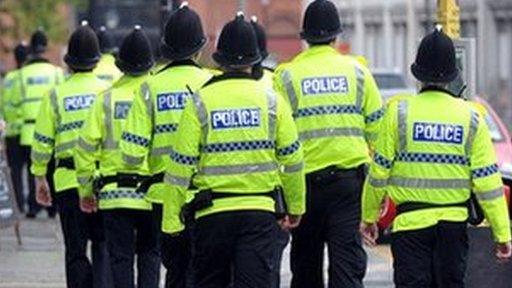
(31, 215)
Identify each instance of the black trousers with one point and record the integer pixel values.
(235, 247)
(15, 160)
(33, 206)
(78, 228)
(431, 257)
(332, 217)
(176, 254)
(129, 232)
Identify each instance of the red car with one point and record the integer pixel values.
(503, 145)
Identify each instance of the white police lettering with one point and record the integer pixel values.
(435, 132)
(78, 102)
(121, 109)
(172, 101)
(324, 85)
(38, 80)
(236, 118)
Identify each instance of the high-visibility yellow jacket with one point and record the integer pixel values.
(434, 148)
(107, 70)
(58, 123)
(10, 103)
(236, 136)
(336, 105)
(37, 78)
(99, 141)
(154, 117)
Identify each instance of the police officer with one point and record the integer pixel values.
(153, 120)
(37, 76)
(129, 226)
(106, 68)
(427, 161)
(337, 108)
(11, 101)
(266, 76)
(57, 127)
(235, 135)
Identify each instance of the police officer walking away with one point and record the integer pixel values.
(152, 122)
(11, 101)
(129, 225)
(337, 108)
(59, 120)
(266, 75)
(235, 135)
(37, 76)
(106, 68)
(428, 161)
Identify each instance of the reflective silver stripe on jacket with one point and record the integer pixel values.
(238, 169)
(146, 92)
(272, 114)
(402, 125)
(109, 142)
(55, 105)
(132, 160)
(65, 146)
(86, 146)
(490, 195)
(31, 100)
(39, 156)
(473, 127)
(293, 168)
(286, 77)
(378, 183)
(330, 132)
(161, 151)
(202, 115)
(83, 180)
(176, 180)
(419, 183)
(360, 88)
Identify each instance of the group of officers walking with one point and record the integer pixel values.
(209, 172)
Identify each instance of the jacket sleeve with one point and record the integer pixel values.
(380, 168)
(138, 130)
(44, 136)
(372, 104)
(283, 85)
(183, 163)
(487, 183)
(88, 148)
(290, 156)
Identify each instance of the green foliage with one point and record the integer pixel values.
(28, 15)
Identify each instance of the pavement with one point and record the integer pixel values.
(39, 261)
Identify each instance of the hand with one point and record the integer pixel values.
(503, 251)
(370, 233)
(290, 222)
(43, 196)
(88, 204)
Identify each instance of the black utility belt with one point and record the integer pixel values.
(333, 173)
(68, 163)
(30, 121)
(415, 206)
(204, 199)
(125, 180)
(150, 181)
(475, 212)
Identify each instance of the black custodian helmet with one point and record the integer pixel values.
(106, 40)
(237, 45)
(321, 22)
(38, 42)
(261, 37)
(184, 35)
(83, 49)
(135, 56)
(436, 60)
(20, 53)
